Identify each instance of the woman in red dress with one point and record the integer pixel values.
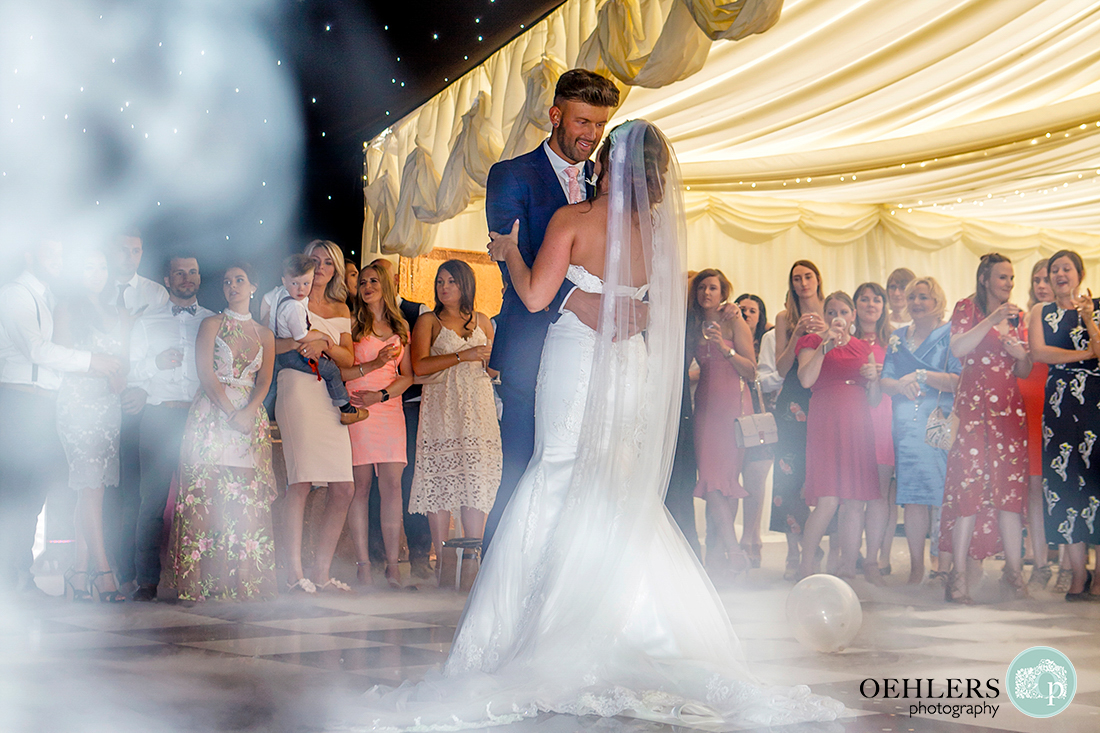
(1033, 390)
(987, 468)
(841, 468)
(725, 355)
(872, 326)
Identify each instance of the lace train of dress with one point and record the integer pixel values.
(577, 612)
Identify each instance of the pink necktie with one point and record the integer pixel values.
(574, 185)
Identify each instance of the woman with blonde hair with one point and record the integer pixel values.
(1033, 390)
(381, 374)
(316, 446)
(919, 374)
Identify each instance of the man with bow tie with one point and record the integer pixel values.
(164, 375)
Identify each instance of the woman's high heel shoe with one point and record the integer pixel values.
(1013, 585)
(78, 595)
(362, 573)
(393, 575)
(104, 596)
(754, 552)
(955, 590)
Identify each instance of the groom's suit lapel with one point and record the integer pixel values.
(589, 176)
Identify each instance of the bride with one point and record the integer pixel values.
(591, 602)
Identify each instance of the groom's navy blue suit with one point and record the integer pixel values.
(525, 188)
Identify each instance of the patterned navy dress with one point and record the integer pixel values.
(1071, 423)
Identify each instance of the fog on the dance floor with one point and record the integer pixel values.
(179, 120)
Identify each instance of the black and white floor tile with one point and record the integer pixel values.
(300, 663)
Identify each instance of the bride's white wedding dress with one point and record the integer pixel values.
(590, 601)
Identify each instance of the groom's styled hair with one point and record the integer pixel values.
(582, 85)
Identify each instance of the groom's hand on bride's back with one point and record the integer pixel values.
(586, 307)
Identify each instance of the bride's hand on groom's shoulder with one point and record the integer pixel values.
(499, 244)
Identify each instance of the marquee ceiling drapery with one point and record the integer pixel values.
(943, 123)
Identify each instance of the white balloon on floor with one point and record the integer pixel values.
(824, 613)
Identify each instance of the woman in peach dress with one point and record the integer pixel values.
(381, 373)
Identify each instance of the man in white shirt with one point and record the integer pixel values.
(164, 376)
(31, 457)
(137, 295)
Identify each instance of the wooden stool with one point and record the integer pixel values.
(461, 546)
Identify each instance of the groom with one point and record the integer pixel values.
(531, 188)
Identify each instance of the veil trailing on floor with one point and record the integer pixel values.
(591, 602)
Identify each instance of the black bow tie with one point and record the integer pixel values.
(177, 309)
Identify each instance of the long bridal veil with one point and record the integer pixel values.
(611, 614)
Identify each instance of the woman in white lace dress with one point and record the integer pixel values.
(458, 457)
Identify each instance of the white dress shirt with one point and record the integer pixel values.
(26, 330)
(139, 292)
(153, 333)
(559, 164)
(766, 370)
(291, 321)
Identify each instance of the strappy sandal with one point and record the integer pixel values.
(104, 596)
(394, 577)
(334, 584)
(363, 573)
(955, 590)
(1040, 577)
(79, 595)
(1013, 585)
(302, 585)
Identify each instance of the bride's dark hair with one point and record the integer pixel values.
(655, 155)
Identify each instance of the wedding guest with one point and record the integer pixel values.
(31, 457)
(458, 453)
(222, 545)
(871, 326)
(680, 495)
(165, 378)
(418, 535)
(758, 459)
(1065, 335)
(1033, 390)
(987, 481)
(316, 446)
(351, 280)
(88, 420)
(137, 295)
(722, 347)
(919, 374)
(381, 373)
(805, 313)
(287, 315)
(896, 284)
(841, 468)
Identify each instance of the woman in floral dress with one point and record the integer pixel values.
(1067, 336)
(987, 468)
(222, 545)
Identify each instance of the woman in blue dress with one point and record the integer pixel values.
(919, 373)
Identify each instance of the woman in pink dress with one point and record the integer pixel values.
(841, 467)
(872, 326)
(381, 373)
(987, 468)
(719, 401)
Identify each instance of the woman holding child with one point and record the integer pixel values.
(316, 446)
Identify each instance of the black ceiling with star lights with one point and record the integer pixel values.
(362, 65)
